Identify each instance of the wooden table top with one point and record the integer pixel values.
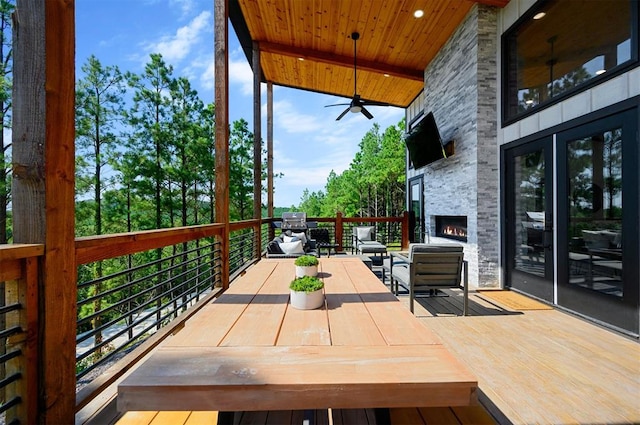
(250, 350)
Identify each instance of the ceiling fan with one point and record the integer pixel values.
(357, 104)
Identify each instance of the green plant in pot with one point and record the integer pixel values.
(307, 293)
(306, 265)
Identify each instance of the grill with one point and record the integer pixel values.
(294, 221)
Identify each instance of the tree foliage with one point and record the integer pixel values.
(6, 69)
(373, 185)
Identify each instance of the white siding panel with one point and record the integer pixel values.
(576, 106)
(613, 91)
(550, 117)
(634, 82)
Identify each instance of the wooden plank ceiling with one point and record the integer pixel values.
(307, 44)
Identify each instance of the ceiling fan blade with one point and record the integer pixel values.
(337, 104)
(374, 103)
(366, 113)
(342, 114)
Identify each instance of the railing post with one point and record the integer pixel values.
(405, 229)
(339, 230)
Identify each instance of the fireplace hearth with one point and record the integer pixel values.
(452, 227)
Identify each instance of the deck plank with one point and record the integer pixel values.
(547, 366)
(201, 418)
(170, 418)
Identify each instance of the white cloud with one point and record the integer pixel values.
(186, 6)
(240, 73)
(176, 47)
(293, 120)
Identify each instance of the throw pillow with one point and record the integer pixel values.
(364, 233)
(292, 247)
(291, 238)
(300, 236)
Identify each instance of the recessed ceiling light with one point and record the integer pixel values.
(418, 13)
(301, 59)
(386, 75)
(539, 15)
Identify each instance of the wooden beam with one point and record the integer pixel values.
(221, 53)
(346, 61)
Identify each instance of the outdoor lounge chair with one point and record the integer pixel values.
(364, 242)
(431, 267)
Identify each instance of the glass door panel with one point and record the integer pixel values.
(415, 207)
(529, 219)
(598, 242)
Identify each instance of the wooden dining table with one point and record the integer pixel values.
(249, 350)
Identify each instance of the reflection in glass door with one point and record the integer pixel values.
(415, 207)
(529, 235)
(598, 241)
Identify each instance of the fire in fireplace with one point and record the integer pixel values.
(452, 227)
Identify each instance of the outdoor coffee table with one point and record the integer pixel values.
(250, 350)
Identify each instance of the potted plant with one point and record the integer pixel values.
(306, 265)
(307, 293)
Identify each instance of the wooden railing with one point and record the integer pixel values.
(19, 268)
(134, 290)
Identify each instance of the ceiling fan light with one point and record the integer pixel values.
(355, 109)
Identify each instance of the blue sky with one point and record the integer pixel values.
(308, 142)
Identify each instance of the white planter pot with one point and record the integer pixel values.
(306, 271)
(307, 300)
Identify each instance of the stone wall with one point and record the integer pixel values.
(461, 91)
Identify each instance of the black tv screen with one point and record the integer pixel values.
(424, 143)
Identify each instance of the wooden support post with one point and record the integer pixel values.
(257, 145)
(221, 51)
(270, 149)
(339, 230)
(43, 167)
(405, 229)
(270, 156)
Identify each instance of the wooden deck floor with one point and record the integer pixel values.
(540, 366)
(533, 366)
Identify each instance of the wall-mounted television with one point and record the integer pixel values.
(424, 142)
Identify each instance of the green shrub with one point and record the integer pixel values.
(306, 261)
(306, 284)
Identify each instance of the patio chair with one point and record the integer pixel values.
(431, 267)
(364, 242)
